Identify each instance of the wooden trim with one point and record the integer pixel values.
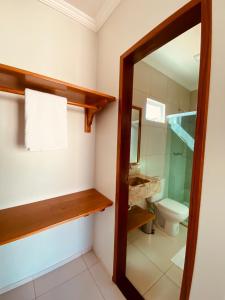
(123, 158)
(182, 20)
(189, 15)
(128, 290)
(139, 133)
(14, 80)
(24, 220)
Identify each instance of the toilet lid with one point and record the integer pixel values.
(174, 206)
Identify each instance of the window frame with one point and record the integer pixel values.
(155, 103)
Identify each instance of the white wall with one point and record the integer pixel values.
(38, 38)
(209, 274)
(120, 32)
(150, 83)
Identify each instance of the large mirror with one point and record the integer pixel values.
(165, 88)
(135, 134)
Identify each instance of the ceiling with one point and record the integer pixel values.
(179, 59)
(90, 13)
(89, 7)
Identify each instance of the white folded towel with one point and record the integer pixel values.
(45, 121)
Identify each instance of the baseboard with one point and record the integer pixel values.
(45, 271)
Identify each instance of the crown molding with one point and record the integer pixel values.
(105, 12)
(72, 12)
(79, 16)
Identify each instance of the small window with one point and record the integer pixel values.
(155, 111)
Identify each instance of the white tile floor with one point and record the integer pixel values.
(82, 279)
(149, 268)
(149, 265)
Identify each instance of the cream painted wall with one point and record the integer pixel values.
(209, 274)
(120, 32)
(38, 38)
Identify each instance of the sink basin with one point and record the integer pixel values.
(142, 187)
(133, 181)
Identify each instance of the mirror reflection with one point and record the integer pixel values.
(135, 143)
(165, 88)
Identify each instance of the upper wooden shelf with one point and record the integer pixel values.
(24, 220)
(13, 80)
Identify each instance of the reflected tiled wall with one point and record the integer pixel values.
(156, 152)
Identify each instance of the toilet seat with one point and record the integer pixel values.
(173, 206)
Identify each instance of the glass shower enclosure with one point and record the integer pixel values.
(181, 133)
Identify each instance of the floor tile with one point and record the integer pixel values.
(175, 274)
(108, 289)
(134, 235)
(164, 289)
(47, 282)
(182, 236)
(90, 258)
(179, 258)
(140, 270)
(160, 247)
(24, 292)
(81, 287)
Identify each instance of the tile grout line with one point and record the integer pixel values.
(149, 289)
(163, 273)
(86, 269)
(142, 252)
(98, 287)
(89, 267)
(35, 277)
(62, 283)
(84, 262)
(173, 281)
(35, 296)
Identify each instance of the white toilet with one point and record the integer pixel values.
(172, 211)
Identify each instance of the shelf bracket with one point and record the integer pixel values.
(89, 116)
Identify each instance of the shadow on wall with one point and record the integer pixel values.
(21, 124)
(15, 108)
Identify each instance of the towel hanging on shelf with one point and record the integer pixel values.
(45, 121)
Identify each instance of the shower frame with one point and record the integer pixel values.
(191, 14)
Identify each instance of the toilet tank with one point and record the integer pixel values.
(160, 195)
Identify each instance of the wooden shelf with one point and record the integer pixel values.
(24, 220)
(137, 217)
(13, 80)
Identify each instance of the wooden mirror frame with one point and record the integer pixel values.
(191, 14)
(139, 135)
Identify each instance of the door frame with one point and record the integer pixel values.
(191, 14)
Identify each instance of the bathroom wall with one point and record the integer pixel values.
(163, 154)
(156, 138)
(194, 98)
(38, 38)
(119, 33)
